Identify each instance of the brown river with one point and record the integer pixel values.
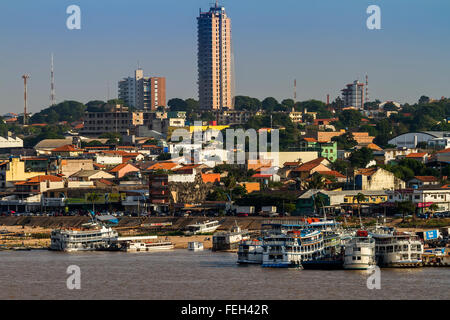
(181, 274)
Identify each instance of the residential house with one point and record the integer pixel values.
(308, 168)
(14, 170)
(90, 175)
(420, 156)
(67, 150)
(38, 184)
(324, 149)
(420, 181)
(377, 179)
(123, 169)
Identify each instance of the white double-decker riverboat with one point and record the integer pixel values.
(289, 250)
(91, 237)
(397, 249)
(250, 252)
(360, 252)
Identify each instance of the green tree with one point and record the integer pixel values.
(350, 118)
(93, 197)
(269, 104)
(360, 197)
(405, 207)
(360, 158)
(345, 141)
(317, 181)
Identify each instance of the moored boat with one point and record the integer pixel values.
(140, 246)
(202, 227)
(250, 252)
(397, 249)
(91, 237)
(195, 246)
(360, 252)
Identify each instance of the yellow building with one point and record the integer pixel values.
(13, 171)
(369, 199)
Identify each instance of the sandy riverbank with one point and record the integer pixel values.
(180, 242)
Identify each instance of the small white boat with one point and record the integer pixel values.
(195, 246)
(202, 227)
(148, 246)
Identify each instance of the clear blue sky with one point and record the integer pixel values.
(323, 44)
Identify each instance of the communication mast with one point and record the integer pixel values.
(367, 88)
(52, 84)
(25, 77)
(295, 90)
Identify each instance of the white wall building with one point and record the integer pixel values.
(10, 141)
(411, 139)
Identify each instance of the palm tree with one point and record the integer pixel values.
(93, 197)
(317, 181)
(433, 208)
(359, 198)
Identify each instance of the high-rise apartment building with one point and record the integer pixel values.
(214, 59)
(353, 95)
(141, 92)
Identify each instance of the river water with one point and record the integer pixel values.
(182, 274)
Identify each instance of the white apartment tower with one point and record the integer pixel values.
(214, 59)
(353, 95)
(145, 93)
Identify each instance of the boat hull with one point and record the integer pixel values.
(323, 265)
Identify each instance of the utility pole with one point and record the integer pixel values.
(25, 77)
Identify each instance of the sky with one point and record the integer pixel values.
(323, 44)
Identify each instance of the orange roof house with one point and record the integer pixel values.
(163, 166)
(308, 168)
(67, 150)
(123, 169)
(420, 156)
(211, 177)
(39, 184)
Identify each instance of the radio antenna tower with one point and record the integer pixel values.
(367, 88)
(52, 84)
(25, 77)
(295, 90)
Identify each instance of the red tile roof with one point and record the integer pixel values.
(259, 175)
(107, 182)
(39, 179)
(332, 173)
(121, 166)
(426, 178)
(162, 166)
(366, 171)
(444, 151)
(308, 166)
(67, 148)
(310, 139)
(416, 155)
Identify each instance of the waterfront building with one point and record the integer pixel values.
(145, 93)
(214, 59)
